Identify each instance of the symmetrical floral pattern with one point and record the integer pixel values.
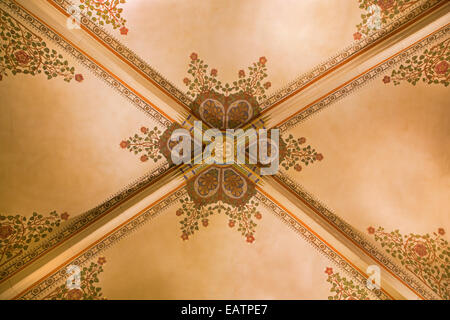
(226, 106)
(147, 144)
(105, 12)
(432, 67)
(344, 289)
(296, 152)
(89, 289)
(18, 233)
(378, 13)
(22, 51)
(426, 256)
(240, 217)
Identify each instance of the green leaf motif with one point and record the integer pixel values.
(88, 288)
(107, 12)
(294, 152)
(240, 217)
(250, 84)
(427, 256)
(344, 289)
(385, 11)
(147, 144)
(432, 67)
(18, 232)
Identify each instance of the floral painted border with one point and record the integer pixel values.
(362, 80)
(432, 66)
(348, 53)
(426, 256)
(354, 235)
(148, 144)
(18, 233)
(43, 287)
(79, 223)
(87, 218)
(105, 12)
(85, 61)
(178, 95)
(138, 64)
(88, 289)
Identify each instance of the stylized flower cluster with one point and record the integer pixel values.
(432, 67)
(18, 233)
(105, 12)
(147, 144)
(88, 287)
(221, 188)
(23, 52)
(241, 216)
(295, 153)
(345, 289)
(379, 12)
(251, 85)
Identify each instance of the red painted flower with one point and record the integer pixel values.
(205, 222)
(421, 249)
(258, 215)
(101, 261)
(214, 72)
(186, 81)
(267, 85)
(184, 236)
(441, 67)
(5, 231)
(250, 238)
(385, 4)
(441, 231)
(298, 167)
(319, 156)
(194, 56)
(386, 79)
(371, 230)
(64, 216)
(74, 294)
(179, 212)
(302, 140)
(22, 57)
(124, 144)
(144, 158)
(144, 130)
(123, 31)
(241, 73)
(329, 271)
(232, 223)
(357, 36)
(79, 77)
(262, 60)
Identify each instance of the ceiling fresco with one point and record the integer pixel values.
(91, 92)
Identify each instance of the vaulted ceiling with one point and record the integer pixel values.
(359, 90)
